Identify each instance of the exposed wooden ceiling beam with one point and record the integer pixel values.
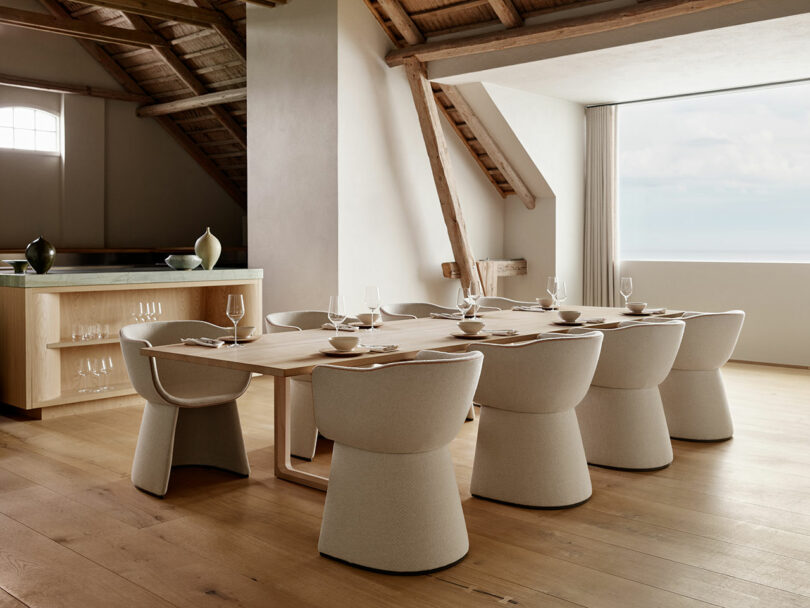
(193, 103)
(225, 29)
(646, 12)
(77, 28)
(168, 55)
(71, 89)
(492, 149)
(439, 157)
(506, 12)
(162, 9)
(399, 17)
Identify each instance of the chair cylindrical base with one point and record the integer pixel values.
(624, 428)
(530, 460)
(696, 405)
(396, 513)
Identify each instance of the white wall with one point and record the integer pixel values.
(775, 298)
(551, 133)
(292, 152)
(392, 233)
(122, 181)
(340, 193)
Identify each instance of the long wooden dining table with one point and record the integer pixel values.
(289, 354)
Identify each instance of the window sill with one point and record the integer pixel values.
(29, 152)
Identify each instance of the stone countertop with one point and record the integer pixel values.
(73, 277)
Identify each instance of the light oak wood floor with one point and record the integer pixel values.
(727, 524)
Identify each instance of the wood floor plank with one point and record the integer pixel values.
(726, 525)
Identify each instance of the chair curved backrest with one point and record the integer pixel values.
(709, 339)
(176, 382)
(404, 407)
(502, 303)
(547, 375)
(298, 320)
(412, 310)
(638, 355)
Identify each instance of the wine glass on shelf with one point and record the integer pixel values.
(474, 294)
(463, 302)
(84, 371)
(626, 288)
(372, 300)
(157, 310)
(104, 373)
(552, 286)
(94, 367)
(337, 311)
(235, 312)
(562, 292)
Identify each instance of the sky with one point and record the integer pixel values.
(716, 177)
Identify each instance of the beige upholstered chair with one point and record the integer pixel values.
(418, 310)
(413, 310)
(694, 395)
(190, 416)
(497, 303)
(621, 418)
(303, 432)
(529, 450)
(393, 502)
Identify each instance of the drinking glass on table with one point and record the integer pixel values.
(552, 286)
(562, 292)
(337, 311)
(463, 302)
(474, 293)
(235, 312)
(626, 288)
(372, 300)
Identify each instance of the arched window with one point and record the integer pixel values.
(24, 128)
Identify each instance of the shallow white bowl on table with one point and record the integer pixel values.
(471, 327)
(344, 343)
(569, 316)
(636, 306)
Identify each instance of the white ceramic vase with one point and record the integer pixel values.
(208, 248)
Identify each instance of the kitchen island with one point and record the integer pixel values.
(52, 325)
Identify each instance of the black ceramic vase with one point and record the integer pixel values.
(40, 254)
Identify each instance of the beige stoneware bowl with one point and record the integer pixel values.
(344, 343)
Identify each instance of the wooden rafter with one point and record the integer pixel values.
(71, 89)
(407, 28)
(646, 12)
(163, 9)
(77, 29)
(192, 103)
(225, 29)
(488, 144)
(436, 146)
(182, 72)
(506, 12)
(127, 65)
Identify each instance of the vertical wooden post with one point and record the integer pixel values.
(439, 157)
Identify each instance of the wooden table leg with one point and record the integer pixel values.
(281, 428)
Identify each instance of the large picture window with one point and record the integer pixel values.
(722, 177)
(24, 128)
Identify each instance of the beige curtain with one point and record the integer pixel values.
(600, 206)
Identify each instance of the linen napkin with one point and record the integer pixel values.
(445, 315)
(501, 332)
(529, 308)
(209, 342)
(340, 327)
(381, 348)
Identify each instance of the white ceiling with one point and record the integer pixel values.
(755, 53)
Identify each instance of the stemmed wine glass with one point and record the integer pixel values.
(474, 293)
(552, 286)
(626, 288)
(337, 311)
(562, 292)
(235, 312)
(105, 368)
(372, 300)
(85, 370)
(463, 302)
